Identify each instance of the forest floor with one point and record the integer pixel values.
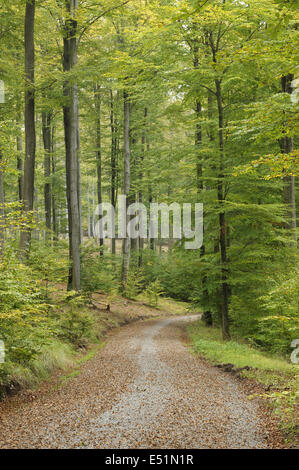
(142, 389)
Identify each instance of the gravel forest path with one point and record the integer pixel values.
(143, 389)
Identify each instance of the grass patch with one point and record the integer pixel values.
(166, 305)
(54, 356)
(208, 341)
(278, 376)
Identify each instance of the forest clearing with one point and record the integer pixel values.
(149, 287)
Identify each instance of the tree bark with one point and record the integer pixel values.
(46, 128)
(70, 113)
(54, 204)
(286, 146)
(140, 195)
(222, 221)
(126, 240)
(97, 98)
(113, 127)
(20, 161)
(30, 136)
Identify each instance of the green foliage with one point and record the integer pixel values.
(275, 333)
(99, 273)
(76, 325)
(177, 272)
(152, 292)
(134, 283)
(39, 335)
(22, 310)
(49, 262)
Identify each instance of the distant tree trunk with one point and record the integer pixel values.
(286, 146)
(97, 99)
(30, 137)
(70, 112)
(126, 240)
(132, 199)
(46, 129)
(198, 132)
(78, 159)
(113, 128)
(151, 241)
(222, 222)
(140, 195)
(20, 162)
(36, 231)
(150, 200)
(54, 205)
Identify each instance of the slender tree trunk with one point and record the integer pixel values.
(150, 200)
(151, 241)
(132, 196)
(126, 240)
(222, 222)
(97, 98)
(140, 195)
(54, 205)
(30, 137)
(20, 162)
(286, 146)
(207, 316)
(70, 112)
(46, 128)
(78, 158)
(113, 128)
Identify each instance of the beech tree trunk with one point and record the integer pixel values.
(46, 128)
(222, 221)
(286, 146)
(20, 162)
(97, 98)
(113, 127)
(30, 137)
(70, 113)
(54, 205)
(140, 195)
(126, 240)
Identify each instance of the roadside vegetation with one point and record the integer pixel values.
(276, 375)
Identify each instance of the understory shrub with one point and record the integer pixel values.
(99, 273)
(39, 334)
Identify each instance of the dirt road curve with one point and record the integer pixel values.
(142, 390)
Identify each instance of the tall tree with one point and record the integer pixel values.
(113, 183)
(70, 112)
(126, 240)
(286, 146)
(30, 136)
(47, 134)
(97, 98)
